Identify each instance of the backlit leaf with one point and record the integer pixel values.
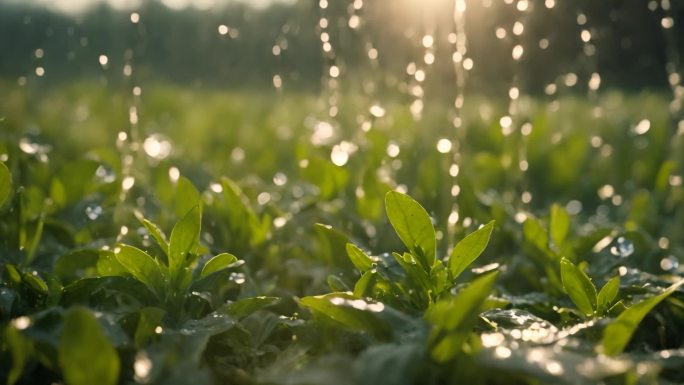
(579, 287)
(349, 311)
(469, 248)
(359, 258)
(184, 239)
(618, 333)
(217, 263)
(143, 267)
(607, 294)
(413, 226)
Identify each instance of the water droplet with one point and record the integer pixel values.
(127, 183)
(93, 212)
(444, 145)
(142, 367)
(156, 146)
(669, 263)
(623, 248)
(502, 352)
(238, 278)
(377, 111)
(21, 323)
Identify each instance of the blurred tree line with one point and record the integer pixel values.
(628, 47)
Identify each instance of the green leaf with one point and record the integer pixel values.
(413, 225)
(143, 267)
(608, 294)
(336, 283)
(453, 317)
(352, 312)
(35, 282)
(451, 313)
(331, 246)
(579, 287)
(364, 285)
(537, 236)
(76, 264)
(187, 196)
(246, 229)
(618, 333)
(468, 249)
(108, 265)
(5, 183)
(360, 259)
(86, 356)
(21, 349)
(149, 319)
(559, 226)
(247, 306)
(218, 263)
(184, 239)
(329, 178)
(155, 232)
(417, 276)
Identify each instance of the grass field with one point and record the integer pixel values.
(246, 237)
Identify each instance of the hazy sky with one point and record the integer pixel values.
(75, 6)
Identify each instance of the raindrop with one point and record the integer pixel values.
(157, 146)
(444, 145)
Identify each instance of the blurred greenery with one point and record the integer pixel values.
(632, 51)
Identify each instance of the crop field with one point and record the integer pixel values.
(157, 231)
(173, 257)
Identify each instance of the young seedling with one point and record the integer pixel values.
(415, 280)
(582, 291)
(171, 280)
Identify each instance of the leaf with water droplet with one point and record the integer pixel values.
(418, 278)
(86, 356)
(579, 287)
(469, 249)
(339, 307)
(143, 267)
(5, 183)
(607, 294)
(413, 226)
(247, 306)
(35, 282)
(618, 333)
(184, 239)
(452, 317)
(148, 320)
(331, 245)
(360, 259)
(155, 232)
(219, 262)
